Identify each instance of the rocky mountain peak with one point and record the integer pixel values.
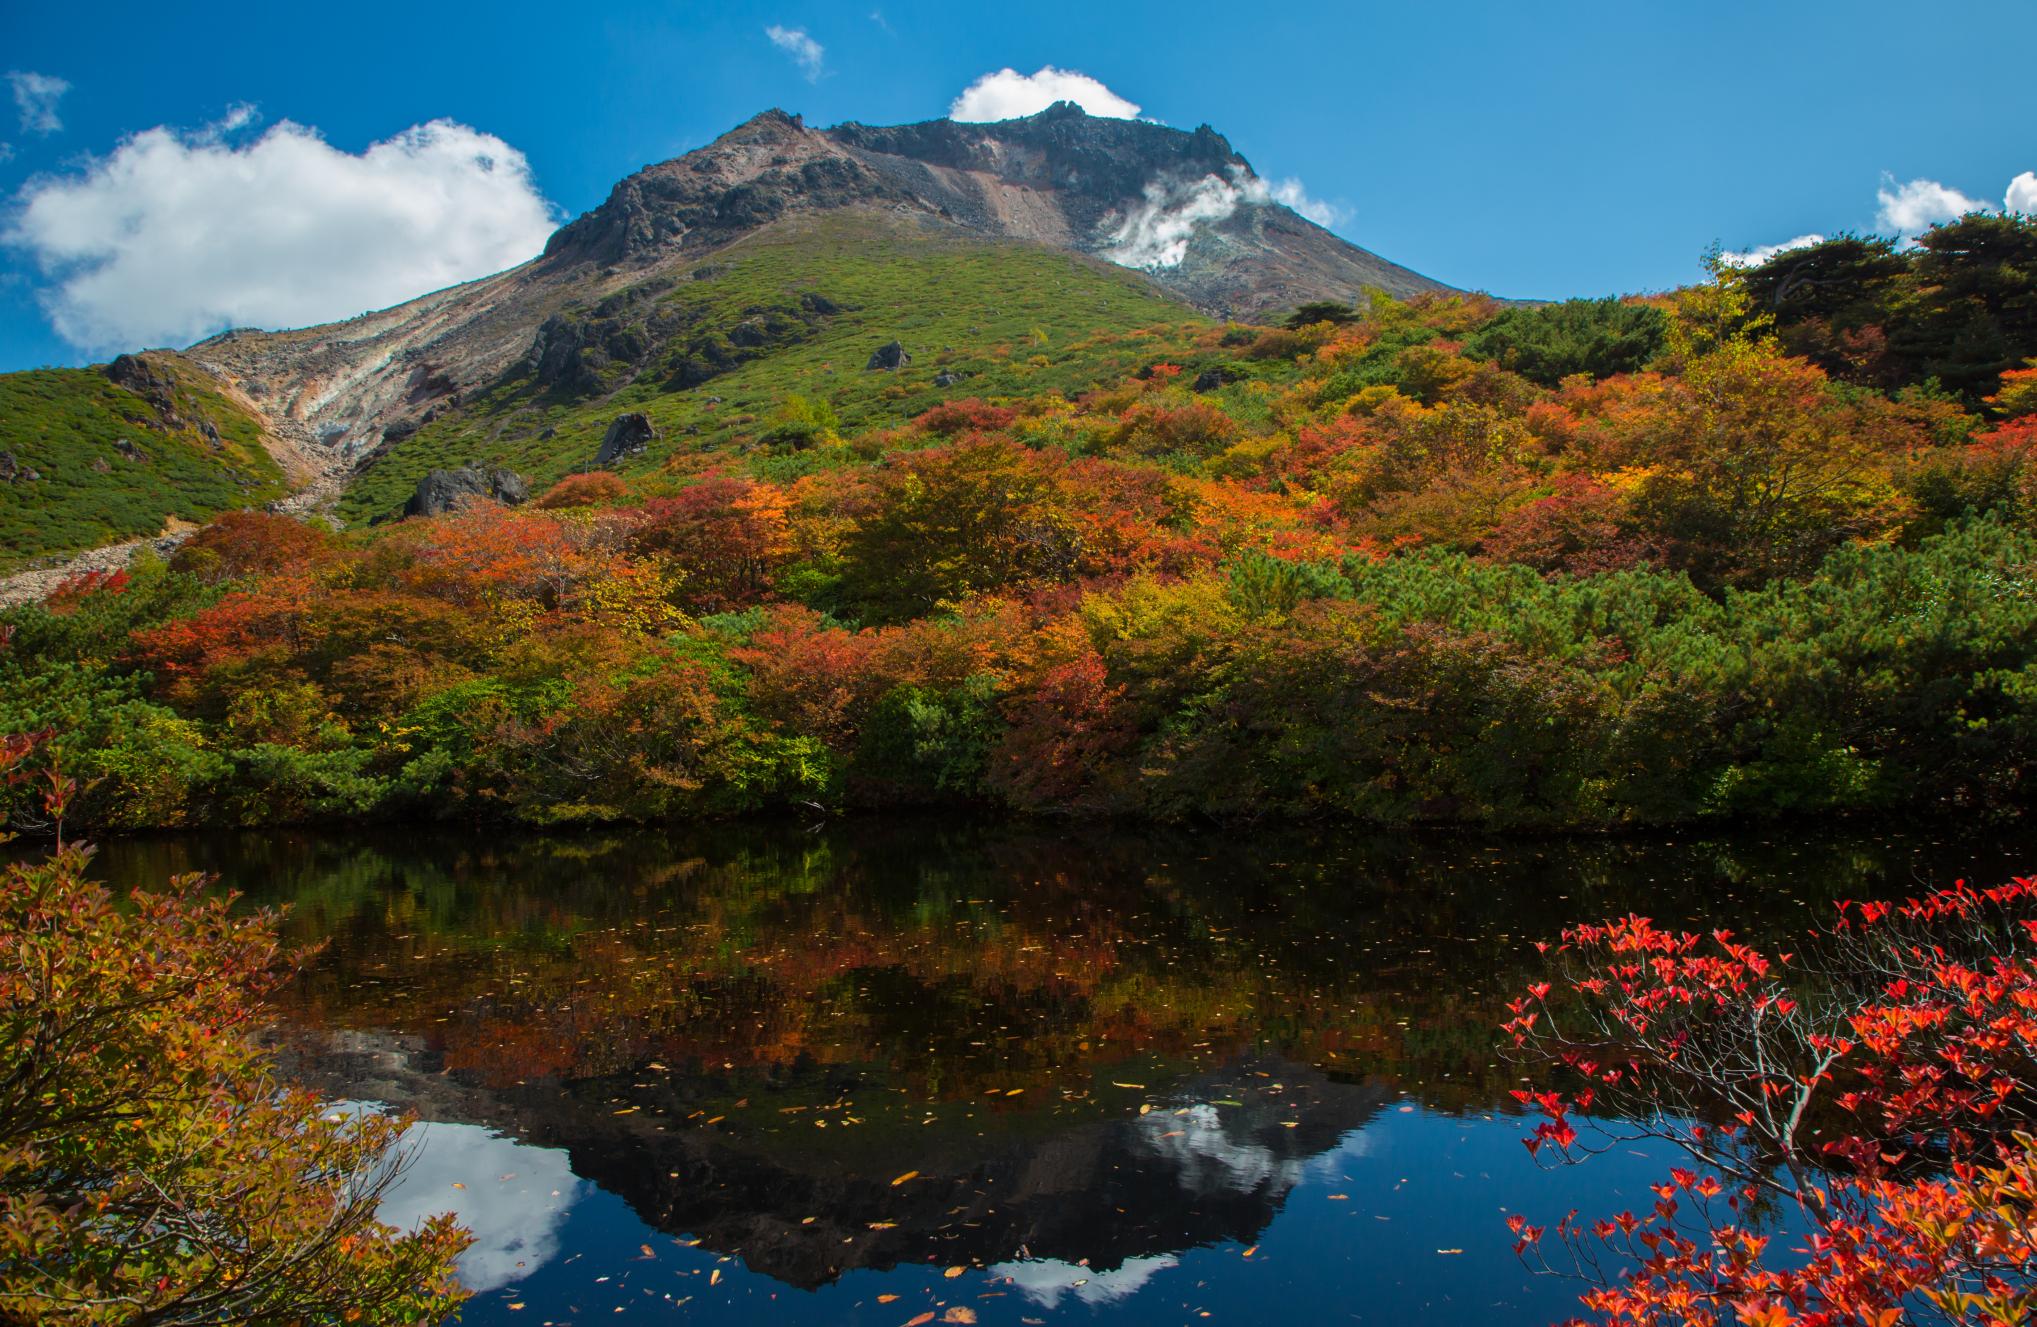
(1183, 205)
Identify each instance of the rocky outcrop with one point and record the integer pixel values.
(442, 491)
(628, 435)
(890, 357)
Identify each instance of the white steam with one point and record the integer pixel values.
(1155, 234)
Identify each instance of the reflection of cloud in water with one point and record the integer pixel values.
(1046, 1280)
(1356, 1145)
(516, 1198)
(1207, 1159)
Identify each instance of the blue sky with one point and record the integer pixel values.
(1534, 150)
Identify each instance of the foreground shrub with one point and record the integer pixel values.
(1869, 1094)
(152, 1169)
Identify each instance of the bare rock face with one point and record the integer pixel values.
(442, 491)
(628, 435)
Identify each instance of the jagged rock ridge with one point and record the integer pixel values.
(1061, 177)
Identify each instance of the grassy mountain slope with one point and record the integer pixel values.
(794, 309)
(64, 426)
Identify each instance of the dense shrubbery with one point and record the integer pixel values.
(1366, 570)
(1955, 312)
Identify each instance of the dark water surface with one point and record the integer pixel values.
(997, 1074)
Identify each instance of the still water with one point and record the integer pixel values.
(923, 1072)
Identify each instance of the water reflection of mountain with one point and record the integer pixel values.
(749, 1033)
(1212, 1158)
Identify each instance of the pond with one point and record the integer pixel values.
(929, 1071)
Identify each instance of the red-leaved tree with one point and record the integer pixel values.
(1857, 1114)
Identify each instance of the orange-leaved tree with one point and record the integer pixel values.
(152, 1170)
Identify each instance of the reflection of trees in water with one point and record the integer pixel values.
(739, 1027)
(963, 958)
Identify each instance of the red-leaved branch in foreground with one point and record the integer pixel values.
(1856, 1114)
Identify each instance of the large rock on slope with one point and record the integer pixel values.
(442, 491)
(628, 435)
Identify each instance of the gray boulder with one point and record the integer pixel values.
(442, 491)
(628, 435)
(945, 380)
(890, 357)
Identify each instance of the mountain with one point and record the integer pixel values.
(772, 262)
(1117, 189)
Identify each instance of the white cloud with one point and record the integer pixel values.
(804, 50)
(2022, 195)
(1761, 253)
(1156, 233)
(1008, 95)
(1916, 206)
(178, 235)
(238, 116)
(36, 97)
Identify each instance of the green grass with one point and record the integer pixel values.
(1008, 320)
(58, 422)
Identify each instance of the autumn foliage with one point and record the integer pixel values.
(1857, 1109)
(1601, 563)
(152, 1168)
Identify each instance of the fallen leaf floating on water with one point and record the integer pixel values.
(959, 1314)
(1448, 1251)
(886, 1299)
(647, 1250)
(954, 1272)
(714, 1277)
(909, 1175)
(1249, 1252)
(1136, 1086)
(922, 1318)
(515, 1306)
